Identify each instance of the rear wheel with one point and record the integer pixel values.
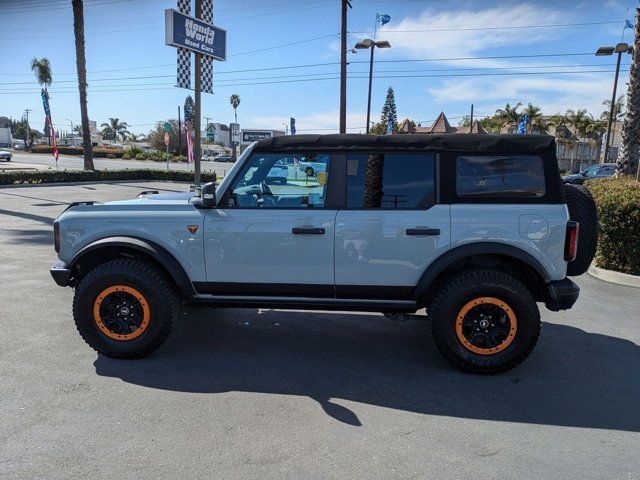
(309, 171)
(125, 308)
(484, 321)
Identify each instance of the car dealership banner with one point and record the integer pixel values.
(255, 135)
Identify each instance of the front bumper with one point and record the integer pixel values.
(61, 274)
(561, 295)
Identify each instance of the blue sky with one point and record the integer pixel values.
(433, 64)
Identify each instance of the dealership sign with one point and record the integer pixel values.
(194, 34)
(255, 135)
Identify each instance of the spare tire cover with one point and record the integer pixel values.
(582, 209)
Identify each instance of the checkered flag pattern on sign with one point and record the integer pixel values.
(183, 63)
(206, 62)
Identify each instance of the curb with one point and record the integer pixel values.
(614, 277)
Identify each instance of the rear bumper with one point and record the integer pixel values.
(561, 295)
(61, 274)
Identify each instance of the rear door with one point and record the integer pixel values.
(391, 228)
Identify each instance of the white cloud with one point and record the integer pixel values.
(408, 36)
(323, 122)
(553, 95)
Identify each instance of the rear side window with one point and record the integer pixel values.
(390, 180)
(507, 176)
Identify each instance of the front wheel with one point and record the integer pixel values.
(125, 308)
(484, 321)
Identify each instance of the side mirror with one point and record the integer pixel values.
(205, 196)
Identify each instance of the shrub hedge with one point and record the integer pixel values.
(63, 176)
(98, 152)
(618, 203)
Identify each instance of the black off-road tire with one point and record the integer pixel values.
(582, 209)
(309, 172)
(155, 287)
(467, 286)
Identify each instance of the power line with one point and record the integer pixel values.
(117, 88)
(524, 67)
(508, 27)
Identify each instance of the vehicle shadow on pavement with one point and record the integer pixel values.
(573, 378)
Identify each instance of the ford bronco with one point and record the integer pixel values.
(476, 229)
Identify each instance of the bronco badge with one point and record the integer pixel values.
(192, 228)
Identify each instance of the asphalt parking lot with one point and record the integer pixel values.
(272, 394)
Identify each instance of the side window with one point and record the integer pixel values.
(519, 176)
(390, 180)
(607, 170)
(592, 171)
(286, 180)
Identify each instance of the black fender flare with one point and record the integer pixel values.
(155, 251)
(480, 248)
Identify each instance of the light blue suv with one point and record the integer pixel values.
(475, 228)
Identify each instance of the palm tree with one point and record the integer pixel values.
(534, 114)
(627, 163)
(137, 138)
(81, 66)
(235, 103)
(509, 116)
(618, 114)
(78, 129)
(115, 128)
(42, 68)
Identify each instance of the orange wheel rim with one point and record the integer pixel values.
(121, 312)
(486, 325)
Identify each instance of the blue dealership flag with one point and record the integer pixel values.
(628, 24)
(522, 125)
(45, 102)
(390, 126)
(292, 122)
(383, 18)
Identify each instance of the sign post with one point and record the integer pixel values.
(195, 34)
(166, 144)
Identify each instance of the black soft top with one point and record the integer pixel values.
(456, 142)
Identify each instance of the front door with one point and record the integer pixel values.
(275, 233)
(391, 229)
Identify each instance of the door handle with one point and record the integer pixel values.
(307, 231)
(423, 231)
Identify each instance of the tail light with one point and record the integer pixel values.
(56, 236)
(571, 241)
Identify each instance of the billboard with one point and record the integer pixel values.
(181, 30)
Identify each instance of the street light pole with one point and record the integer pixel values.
(368, 43)
(373, 49)
(603, 51)
(613, 103)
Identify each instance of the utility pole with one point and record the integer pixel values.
(343, 67)
(471, 119)
(26, 113)
(196, 117)
(179, 133)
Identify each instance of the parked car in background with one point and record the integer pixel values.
(5, 155)
(19, 146)
(601, 170)
(208, 158)
(226, 158)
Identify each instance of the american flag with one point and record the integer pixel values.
(189, 145)
(48, 121)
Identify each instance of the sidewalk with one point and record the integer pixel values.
(11, 166)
